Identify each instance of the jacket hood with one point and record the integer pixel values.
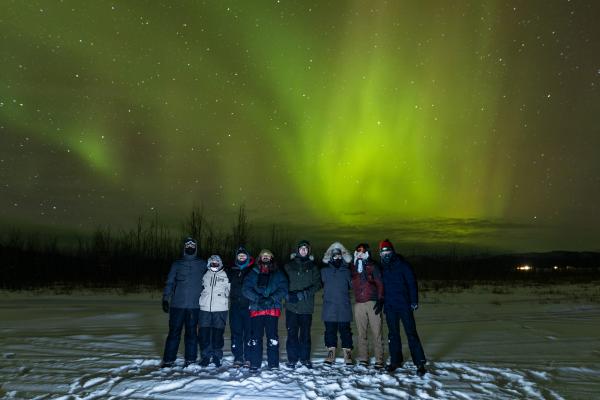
(249, 259)
(183, 246)
(215, 258)
(345, 254)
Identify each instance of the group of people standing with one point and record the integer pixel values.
(199, 296)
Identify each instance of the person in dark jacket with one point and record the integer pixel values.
(180, 301)
(401, 301)
(337, 310)
(239, 316)
(368, 304)
(265, 287)
(304, 281)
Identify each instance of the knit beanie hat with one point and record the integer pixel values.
(386, 245)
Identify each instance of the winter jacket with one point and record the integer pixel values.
(336, 287)
(215, 295)
(367, 285)
(236, 279)
(400, 284)
(303, 275)
(265, 300)
(184, 282)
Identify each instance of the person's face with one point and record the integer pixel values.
(303, 250)
(242, 257)
(265, 258)
(386, 254)
(214, 265)
(189, 247)
(361, 252)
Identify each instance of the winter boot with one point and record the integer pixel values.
(348, 357)
(421, 370)
(379, 365)
(204, 362)
(391, 368)
(330, 359)
(216, 361)
(237, 363)
(166, 364)
(364, 363)
(307, 364)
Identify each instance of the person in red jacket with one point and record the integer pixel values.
(368, 296)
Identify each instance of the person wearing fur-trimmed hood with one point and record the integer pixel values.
(337, 310)
(305, 280)
(266, 287)
(214, 303)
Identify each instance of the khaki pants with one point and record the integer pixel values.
(364, 315)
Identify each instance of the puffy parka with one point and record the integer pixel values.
(184, 282)
(400, 284)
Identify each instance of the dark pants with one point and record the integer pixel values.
(211, 342)
(264, 325)
(239, 322)
(414, 343)
(178, 317)
(298, 339)
(331, 332)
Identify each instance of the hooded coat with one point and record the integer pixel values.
(184, 282)
(400, 284)
(303, 275)
(336, 287)
(215, 292)
(276, 288)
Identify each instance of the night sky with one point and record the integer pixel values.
(473, 122)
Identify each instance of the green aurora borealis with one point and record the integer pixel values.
(435, 121)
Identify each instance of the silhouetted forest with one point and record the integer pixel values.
(141, 257)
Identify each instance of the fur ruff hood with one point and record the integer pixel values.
(345, 253)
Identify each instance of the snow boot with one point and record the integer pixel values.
(421, 370)
(204, 362)
(364, 363)
(330, 359)
(307, 364)
(379, 365)
(391, 368)
(166, 364)
(216, 361)
(237, 363)
(348, 357)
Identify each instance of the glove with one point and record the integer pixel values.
(266, 302)
(414, 306)
(165, 305)
(292, 297)
(301, 295)
(378, 307)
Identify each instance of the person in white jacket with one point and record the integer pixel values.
(214, 304)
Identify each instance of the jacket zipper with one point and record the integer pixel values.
(212, 289)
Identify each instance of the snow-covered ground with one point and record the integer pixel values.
(483, 343)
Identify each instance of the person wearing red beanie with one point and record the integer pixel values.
(400, 303)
